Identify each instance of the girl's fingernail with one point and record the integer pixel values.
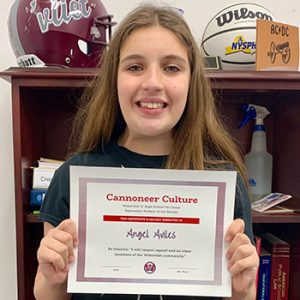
(66, 268)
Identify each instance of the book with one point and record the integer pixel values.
(280, 251)
(292, 204)
(42, 177)
(258, 250)
(279, 209)
(47, 163)
(269, 201)
(43, 172)
(264, 277)
(37, 197)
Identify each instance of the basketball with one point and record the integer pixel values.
(231, 35)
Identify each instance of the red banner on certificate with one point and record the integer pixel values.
(150, 219)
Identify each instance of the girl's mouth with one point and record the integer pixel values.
(152, 105)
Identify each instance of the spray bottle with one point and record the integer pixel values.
(258, 161)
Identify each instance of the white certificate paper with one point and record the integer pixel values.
(149, 231)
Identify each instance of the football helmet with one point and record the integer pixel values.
(66, 33)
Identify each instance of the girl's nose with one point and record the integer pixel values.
(153, 79)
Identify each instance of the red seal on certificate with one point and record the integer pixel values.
(149, 267)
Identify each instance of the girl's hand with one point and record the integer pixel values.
(55, 253)
(243, 260)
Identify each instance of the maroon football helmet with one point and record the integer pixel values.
(66, 33)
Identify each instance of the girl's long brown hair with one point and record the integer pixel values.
(200, 139)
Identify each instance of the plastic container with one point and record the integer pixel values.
(259, 165)
(258, 161)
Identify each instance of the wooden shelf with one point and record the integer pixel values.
(44, 100)
(253, 80)
(275, 218)
(49, 73)
(32, 218)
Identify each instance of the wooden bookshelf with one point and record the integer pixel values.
(260, 218)
(44, 102)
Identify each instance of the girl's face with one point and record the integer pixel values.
(153, 82)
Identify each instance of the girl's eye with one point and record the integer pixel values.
(172, 69)
(134, 68)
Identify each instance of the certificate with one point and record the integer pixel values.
(149, 231)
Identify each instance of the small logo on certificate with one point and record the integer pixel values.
(149, 267)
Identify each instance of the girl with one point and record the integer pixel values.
(151, 107)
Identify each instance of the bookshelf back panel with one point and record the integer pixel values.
(282, 127)
(46, 120)
(287, 146)
(230, 104)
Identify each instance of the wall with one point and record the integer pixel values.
(198, 13)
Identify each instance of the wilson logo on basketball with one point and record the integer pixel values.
(241, 14)
(241, 45)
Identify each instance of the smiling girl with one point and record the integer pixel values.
(150, 107)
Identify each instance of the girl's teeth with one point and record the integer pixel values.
(151, 105)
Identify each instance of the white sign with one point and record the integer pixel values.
(146, 231)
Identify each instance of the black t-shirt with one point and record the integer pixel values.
(55, 207)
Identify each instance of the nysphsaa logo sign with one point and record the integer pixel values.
(240, 44)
